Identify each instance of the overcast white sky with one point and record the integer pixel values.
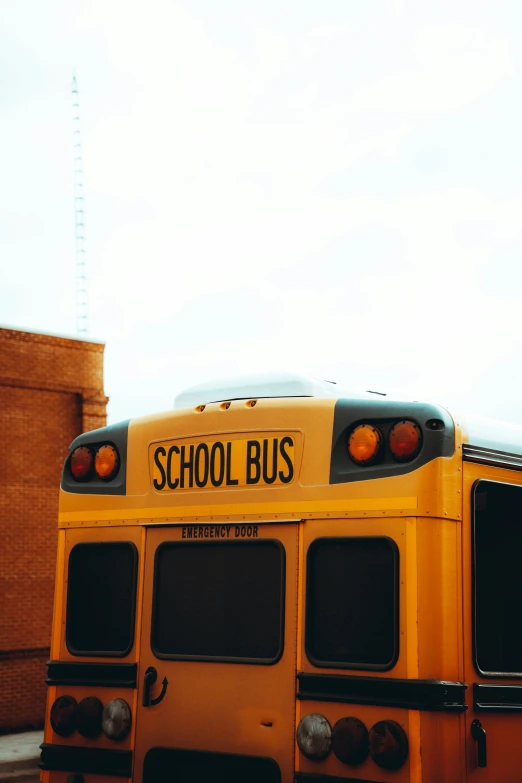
(332, 187)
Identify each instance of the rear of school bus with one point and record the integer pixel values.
(239, 599)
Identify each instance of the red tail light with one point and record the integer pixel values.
(405, 440)
(80, 463)
(350, 741)
(88, 462)
(388, 744)
(89, 717)
(63, 715)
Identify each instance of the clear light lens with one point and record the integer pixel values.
(63, 715)
(106, 462)
(116, 719)
(314, 736)
(80, 463)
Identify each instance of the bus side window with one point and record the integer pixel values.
(101, 598)
(352, 615)
(497, 578)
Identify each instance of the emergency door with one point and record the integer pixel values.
(217, 668)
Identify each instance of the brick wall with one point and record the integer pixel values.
(51, 389)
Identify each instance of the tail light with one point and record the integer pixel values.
(314, 736)
(350, 741)
(101, 461)
(80, 463)
(106, 462)
(89, 717)
(63, 715)
(405, 440)
(364, 444)
(116, 719)
(388, 744)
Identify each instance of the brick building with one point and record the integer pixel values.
(51, 389)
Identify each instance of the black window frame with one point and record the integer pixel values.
(105, 653)
(481, 672)
(309, 630)
(215, 658)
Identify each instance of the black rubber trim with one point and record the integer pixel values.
(103, 675)
(493, 457)
(97, 761)
(116, 435)
(203, 766)
(312, 777)
(428, 695)
(497, 698)
(437, 441)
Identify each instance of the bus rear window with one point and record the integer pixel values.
(101, 599)
(497, 578)
(352, 608)
(219, 601)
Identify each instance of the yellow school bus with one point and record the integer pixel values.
(278, 581)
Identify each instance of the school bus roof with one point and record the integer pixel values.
(283, 384)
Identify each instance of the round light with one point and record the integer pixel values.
(80, 463)
(106, 462)
(350, 741)
(364, 444)
(388, 744)
(89, 717)
(314, 736)
(405, 440)
(63, 715)
(116, 719)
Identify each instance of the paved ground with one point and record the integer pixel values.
(19, 755)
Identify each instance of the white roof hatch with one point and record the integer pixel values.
(284, 384)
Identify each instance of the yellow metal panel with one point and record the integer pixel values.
(504, 751)
(226, 707)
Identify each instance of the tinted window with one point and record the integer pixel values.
(498, 577)
(352, 602)
(219, 600)
(101, 598)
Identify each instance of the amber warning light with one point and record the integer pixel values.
(364, 444)
(87, 462)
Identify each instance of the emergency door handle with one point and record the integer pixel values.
(478, 732)
(151, 675)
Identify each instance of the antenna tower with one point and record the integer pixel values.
(82, 323)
